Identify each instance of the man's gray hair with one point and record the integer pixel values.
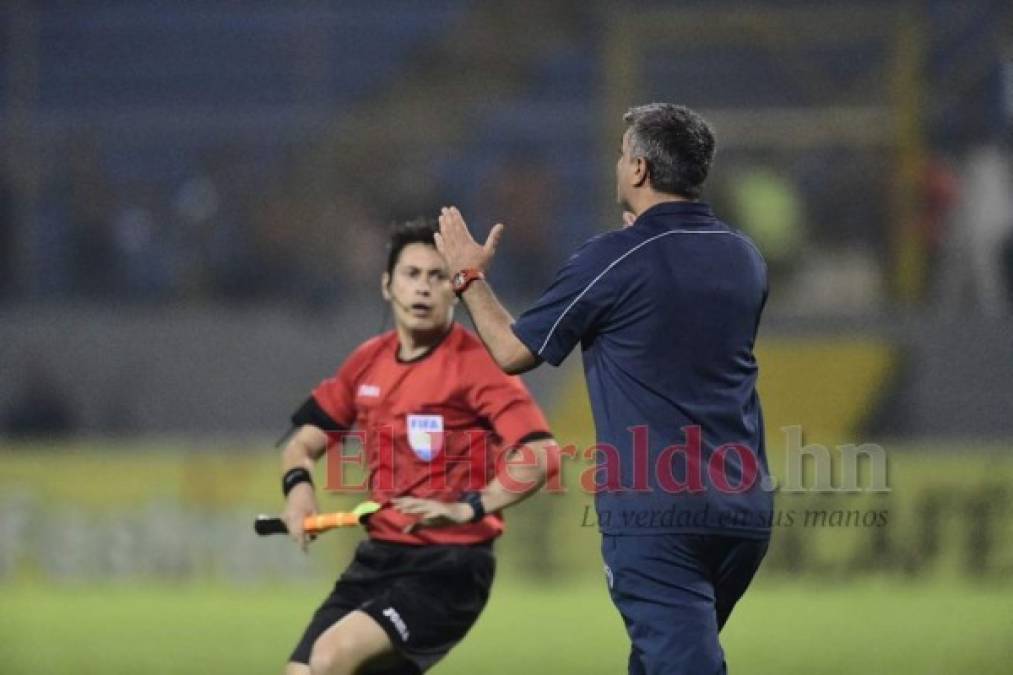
(676, 143)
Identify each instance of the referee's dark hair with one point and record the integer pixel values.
(676, 143)
(415, 231)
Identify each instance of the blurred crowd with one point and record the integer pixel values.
(233, 230)
(227, 230)
(178, 179)
(827, 224)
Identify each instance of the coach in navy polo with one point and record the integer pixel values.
(666, 311)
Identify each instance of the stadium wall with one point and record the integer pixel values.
(184, 511)
(134, 371)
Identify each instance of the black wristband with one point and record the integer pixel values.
(293, 477)
(474, 499)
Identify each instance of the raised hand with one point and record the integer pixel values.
(459, 248)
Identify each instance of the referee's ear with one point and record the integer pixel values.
(385, 286)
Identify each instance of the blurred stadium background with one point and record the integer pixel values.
(193, 203)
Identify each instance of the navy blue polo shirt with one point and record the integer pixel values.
(666, 313)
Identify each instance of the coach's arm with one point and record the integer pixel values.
(492, 320)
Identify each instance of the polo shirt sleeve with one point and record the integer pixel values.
(333, 400)
(574, 305)
(505, 402)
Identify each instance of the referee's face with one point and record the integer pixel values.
(419, 291)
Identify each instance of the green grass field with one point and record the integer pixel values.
(203, 499)
(869, 627)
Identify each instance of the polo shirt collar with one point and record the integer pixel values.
(687, 210)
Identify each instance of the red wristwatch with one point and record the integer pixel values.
(462, 279)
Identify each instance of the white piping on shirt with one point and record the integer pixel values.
(616, 262)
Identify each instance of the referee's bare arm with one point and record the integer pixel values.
(492, 320)
(519, 477)
(303, 450)
(522, 475)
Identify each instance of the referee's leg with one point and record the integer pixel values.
(348, 645)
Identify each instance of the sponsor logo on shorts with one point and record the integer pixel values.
(609, 578)
(399, 624)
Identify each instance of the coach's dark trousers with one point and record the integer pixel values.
(675, 593)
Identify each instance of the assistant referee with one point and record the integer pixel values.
(666, 311)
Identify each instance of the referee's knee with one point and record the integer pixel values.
(333, 657)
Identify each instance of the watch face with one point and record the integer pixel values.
(458, 281)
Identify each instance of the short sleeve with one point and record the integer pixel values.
(505, 402)
(578, 298)
(336, 397)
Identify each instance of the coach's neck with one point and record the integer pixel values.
(642, 200)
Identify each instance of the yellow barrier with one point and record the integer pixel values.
(179, 510)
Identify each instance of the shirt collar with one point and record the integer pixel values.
(693, 211)
(426, 354)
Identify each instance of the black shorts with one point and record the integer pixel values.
(425, 597)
